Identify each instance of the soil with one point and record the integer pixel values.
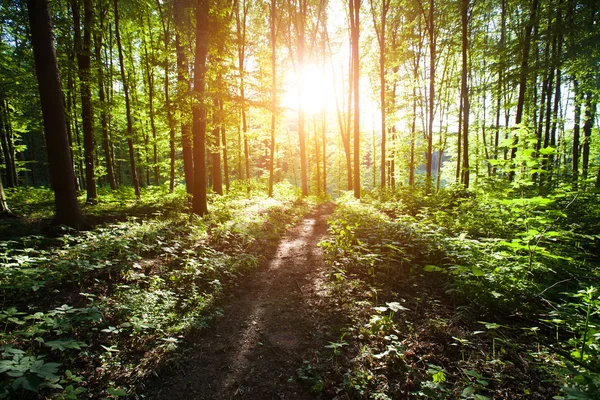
(271, 323)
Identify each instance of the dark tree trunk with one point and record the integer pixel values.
(9, 160)
(51, 98)
(110, 174)
(199, 205)
(523, 73)
(182, 32)
(590, 115)
(83, 51)
(465, 91)
(576, 131)
(134, 175)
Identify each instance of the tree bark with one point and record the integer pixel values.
(273, 39)
(355, 34)
(51, 99)
(83, 50)
(523, 73)
(182, 31)
(199, 204)
(134, 175)
(110, 174)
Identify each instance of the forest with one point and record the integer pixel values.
(300, 199)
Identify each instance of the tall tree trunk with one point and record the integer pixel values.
(300, 18)
(182, 32)
(523, 73)
(241, 36)
(110, 174)
(576, 131)
(273, 40)
(166, 26)
(500, 84)
(380, 31)
(150, 86)
(217, 181)
(199, 205)
(355, 32)
(465, 91)
(134, 175)
(51, 99)
(83, 50)
(590, 115)
(224, 144)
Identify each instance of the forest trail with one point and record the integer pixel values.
(271, 323)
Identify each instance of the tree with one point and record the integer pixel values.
(134, 175)
(106, 145)
(199, 205)
(55, 126)
(83, 51)
(380, 31)
(354, 35)
(182, 33)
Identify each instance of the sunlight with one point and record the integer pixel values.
(315, 90)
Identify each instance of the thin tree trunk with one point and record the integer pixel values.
(273, 38)
(134, 175)
(224, 143)
(523, 73)
(590, 115)
(576, 131)
(83, 50)
(465, 91)
(110, 174)
(217, 181)
(199, 204)
(355, 29)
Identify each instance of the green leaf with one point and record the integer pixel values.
(432, 268)
(477, 271)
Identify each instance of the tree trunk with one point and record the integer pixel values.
(576, 131)
(51, 99)
(199, 205)
(273, 39)
(465, 91)
(590, 115)
(6, 153)
(217, 181)
(182, 31)
(110, 174)
(134, 175)
(355, 32)
(523, 73)
(224, 143)
(83, 50)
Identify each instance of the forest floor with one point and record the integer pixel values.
(272, 322)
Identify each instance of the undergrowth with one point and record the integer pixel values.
(95, 313)
(465, 294)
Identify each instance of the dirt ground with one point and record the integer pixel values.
(272, 322)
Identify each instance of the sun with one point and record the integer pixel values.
(314, 90)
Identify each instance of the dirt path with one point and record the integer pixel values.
(270, 325)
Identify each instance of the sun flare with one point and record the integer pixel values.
(315, 90)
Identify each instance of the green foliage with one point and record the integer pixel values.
(89, 303)
(496, 252)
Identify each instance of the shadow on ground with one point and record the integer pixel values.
(272, 322)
